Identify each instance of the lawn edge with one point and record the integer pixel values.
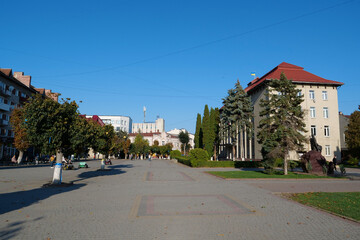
(286, 195)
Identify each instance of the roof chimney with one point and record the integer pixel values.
(26, 80)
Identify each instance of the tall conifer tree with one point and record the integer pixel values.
(207, 130)
(214, 123)
(236, 116)
(198, 132)
(282, 122)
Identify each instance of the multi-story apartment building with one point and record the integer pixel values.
(320, 106)
(15, 88)
(149, 127)
(122, 123)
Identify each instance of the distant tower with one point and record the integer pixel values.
(144, 113)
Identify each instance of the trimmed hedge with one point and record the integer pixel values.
(198, 157)
(184, 161)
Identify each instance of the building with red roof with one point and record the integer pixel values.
(320, 106)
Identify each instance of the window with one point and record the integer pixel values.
(326, 131)
(312, 112)
(312, 94)
(324, 95)
(326, 112)
(118, 129)
(327, 150)
(122, 121)
(299, 93)
(313, 130)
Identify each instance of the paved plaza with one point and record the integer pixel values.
(161, 200)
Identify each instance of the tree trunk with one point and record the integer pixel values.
(214, 152)
(21, 154)
(102, 164)
(233, 152)
(285, 165)
(57, 177)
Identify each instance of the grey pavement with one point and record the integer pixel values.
(161, 200)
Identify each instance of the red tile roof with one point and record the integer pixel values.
(6, 71)
(292, 72)
(145, 134)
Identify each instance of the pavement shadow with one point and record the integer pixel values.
(17, 200)
(11, 230)
(121, 166)
(98, 173)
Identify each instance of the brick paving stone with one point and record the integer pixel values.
(105, 205)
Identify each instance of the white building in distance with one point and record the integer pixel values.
(164, 138)
(149, 127)
(122, 123)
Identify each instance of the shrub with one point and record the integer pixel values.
(184, 161)
(353, 161)
(174, 154)
(198, 156)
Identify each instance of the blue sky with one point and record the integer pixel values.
(175, 56)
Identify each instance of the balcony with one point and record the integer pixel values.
(4, 92)
(23, 99)
(4, 107)
(4, 122)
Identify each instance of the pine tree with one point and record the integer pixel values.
(214, 124)
(207, 130)
(352, 134)
(236, 116)
(282, 122)
(198, 132)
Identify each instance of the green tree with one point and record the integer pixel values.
(105, 140)
(21, 141)
(236, 116)
(214, 123)
(206, 127)
(184, 139)
(141, 145)
(82, 135)
(352, 134)
(282, 125)
(198, 133)
(49, 127)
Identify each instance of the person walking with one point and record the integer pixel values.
(334, 162)
(52, 161)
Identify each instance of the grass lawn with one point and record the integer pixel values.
(342, 203)
(260, 174)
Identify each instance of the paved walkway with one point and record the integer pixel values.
(161, 200)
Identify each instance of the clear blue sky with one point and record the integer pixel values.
(175, 56)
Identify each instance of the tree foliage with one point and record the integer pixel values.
(184, 139)
(352, 134)
(236, 114)
(49, 124)
(17, 120)
(282, 125)
(198, 133)
(206, 127)
(214, 130)
(140, 145)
